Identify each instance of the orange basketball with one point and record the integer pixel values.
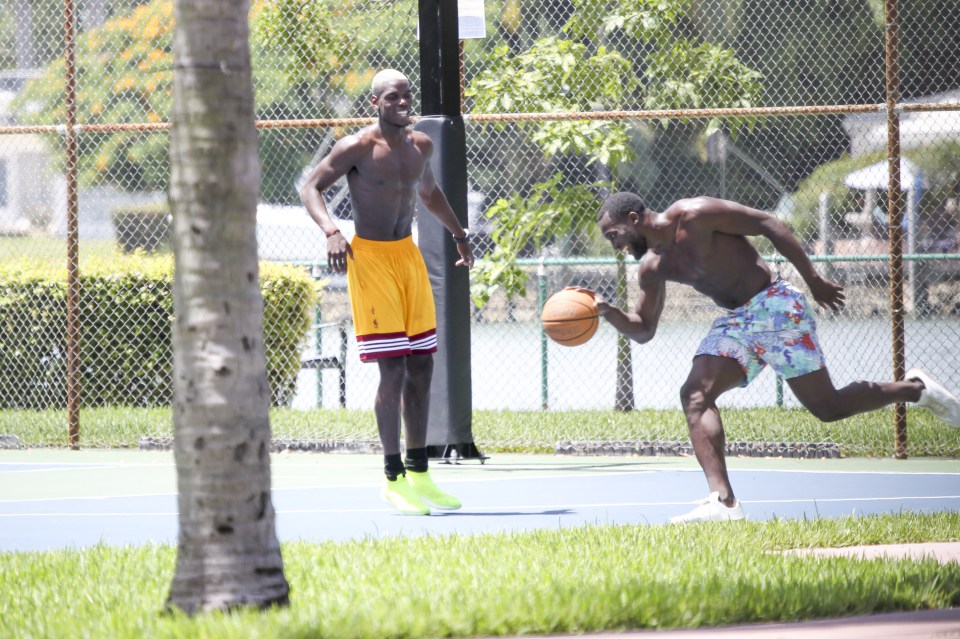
(569, 317)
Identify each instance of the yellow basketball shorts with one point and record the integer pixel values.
(391, 299)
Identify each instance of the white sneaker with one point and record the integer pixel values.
(936, 399)
(710, 509)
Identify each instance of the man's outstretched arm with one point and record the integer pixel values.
(733, 218)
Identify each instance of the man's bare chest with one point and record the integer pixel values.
(689, 261)
(403, 165)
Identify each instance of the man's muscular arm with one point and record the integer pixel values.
(641, 325)
(437, 203)
(330, 169)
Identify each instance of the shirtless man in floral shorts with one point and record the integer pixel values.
(702, 242)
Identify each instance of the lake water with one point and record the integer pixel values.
(506, 367)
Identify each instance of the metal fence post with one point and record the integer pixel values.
(895, 215)
(73, 229)
(624, 391)
(544, 358)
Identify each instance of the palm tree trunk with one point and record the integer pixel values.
(228, 554)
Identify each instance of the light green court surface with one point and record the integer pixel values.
(61, 499)
(52, 474)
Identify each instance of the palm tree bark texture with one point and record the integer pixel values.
(228, 553)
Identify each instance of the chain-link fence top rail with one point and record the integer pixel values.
(779, 105)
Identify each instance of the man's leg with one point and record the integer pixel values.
(828, 404)
(816, 392)
(396, 490)
(416, 411)
(416, 399)
(710, 377)
(386, 406)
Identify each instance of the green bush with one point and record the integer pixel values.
(145, 226)
(126, 352)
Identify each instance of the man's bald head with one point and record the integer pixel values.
(384, 78)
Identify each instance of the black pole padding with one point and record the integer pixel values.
(450, 426)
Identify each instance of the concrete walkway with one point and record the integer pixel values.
(927, 624)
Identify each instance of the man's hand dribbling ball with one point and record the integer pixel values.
(570, 316)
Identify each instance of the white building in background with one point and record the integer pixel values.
(33, 192)
(26, 181)
(868, 134)
(868, 131)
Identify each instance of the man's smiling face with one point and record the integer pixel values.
(393, 103)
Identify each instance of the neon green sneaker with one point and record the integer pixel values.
(399, 494)
(423, 484)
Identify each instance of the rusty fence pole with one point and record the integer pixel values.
(73, 268)
(895, 215)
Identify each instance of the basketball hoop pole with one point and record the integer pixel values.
(450, 427)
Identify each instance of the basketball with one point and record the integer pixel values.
(569, 317)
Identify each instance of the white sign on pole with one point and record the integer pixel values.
(472, 23)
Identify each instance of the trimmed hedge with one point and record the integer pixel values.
(126, 352)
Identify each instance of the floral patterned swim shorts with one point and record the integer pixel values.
(775, 327)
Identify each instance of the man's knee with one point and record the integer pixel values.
(693, 397)
(391, 370)
(420, 367)
(827, 409)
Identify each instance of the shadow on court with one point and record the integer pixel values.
(467, 513)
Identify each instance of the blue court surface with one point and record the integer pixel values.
(73, 499)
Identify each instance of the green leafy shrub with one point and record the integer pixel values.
(145, 227)
(126, 352)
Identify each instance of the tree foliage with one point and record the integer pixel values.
(38, 27)
(610, 56)
(124, 76)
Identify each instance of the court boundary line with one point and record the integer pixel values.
(302, 511)
(461, 480)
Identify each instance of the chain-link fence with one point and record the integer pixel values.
(783, 106)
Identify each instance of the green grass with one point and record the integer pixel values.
(54, 248)
(516, 431)
(585, 579)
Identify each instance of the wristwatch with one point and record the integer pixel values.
(464, 239)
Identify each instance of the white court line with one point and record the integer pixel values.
(546, 474)
(512, 507)
(362, 484)
(53, 467)
(634, 504)
(836, 472)
(39, 515)
(819, 500)
(445, 480)
(47, 470)
(41, 500)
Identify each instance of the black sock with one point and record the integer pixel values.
(417, 460)
(393, 466)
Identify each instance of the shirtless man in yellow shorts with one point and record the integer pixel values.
(387, 166)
